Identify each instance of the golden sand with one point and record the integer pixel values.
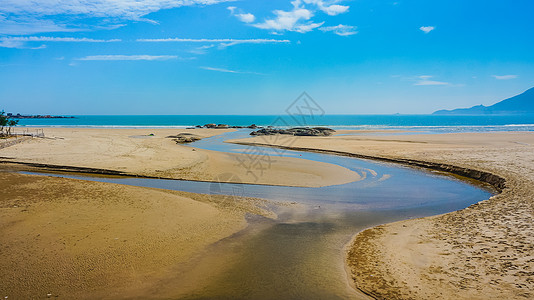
(87, 240)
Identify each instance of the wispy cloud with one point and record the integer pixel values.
(30, 25)
(504, 77)
(56, 39)
(229, 71)
(427, 80)
(128, 57)
(426, 29)
(30, 16)
(342, 30)
(223, 43)
(21, 41)
(202, 49)
(298, 19)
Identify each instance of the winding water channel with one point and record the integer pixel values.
(300, 255)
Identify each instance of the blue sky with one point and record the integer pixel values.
(256, 57)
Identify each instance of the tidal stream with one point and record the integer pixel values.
(300, 255)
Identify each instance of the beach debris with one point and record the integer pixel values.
(184, 138)
(297, 131)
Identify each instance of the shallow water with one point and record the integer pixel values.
(301, 254)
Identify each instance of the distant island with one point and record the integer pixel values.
(520, 104)
(19, 116)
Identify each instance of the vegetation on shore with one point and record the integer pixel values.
(6, 123)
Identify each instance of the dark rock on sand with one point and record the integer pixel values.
(298, 131)
(184, 138)
(215, 126)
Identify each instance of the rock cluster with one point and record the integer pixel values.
(297, 131)
(225, 126)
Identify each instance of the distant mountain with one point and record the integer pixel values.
(520, 104)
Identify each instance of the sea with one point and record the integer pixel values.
(395, 122)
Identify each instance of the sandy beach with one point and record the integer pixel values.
(101, 240)
(86, 240)
(133, 151)
(483, 252)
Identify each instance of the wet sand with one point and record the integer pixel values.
(133, 151)
(483, 252)
(76, 239)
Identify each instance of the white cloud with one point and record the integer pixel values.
(328, 7)
(299, 18)
(21, 41)
(247, 18)
(31, 16)
(426, 29)
(228, 71)
(427, 80)
(334, 10)
(504, 77)
(294, 20)
(128, 57)
(342, 30)
(243, 17)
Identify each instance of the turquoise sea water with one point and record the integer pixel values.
(430, 123)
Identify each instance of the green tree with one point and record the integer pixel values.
(11, 124)
(4, 120)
